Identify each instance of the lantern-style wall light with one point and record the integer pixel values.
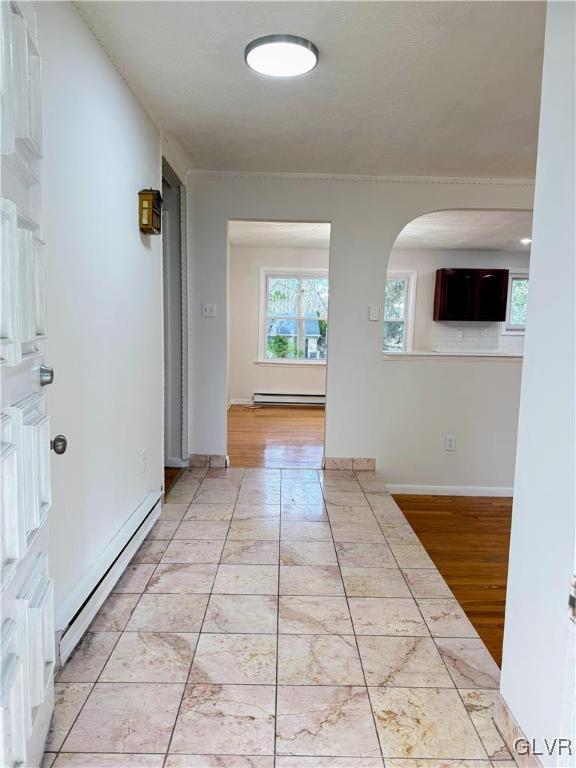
(150, 211)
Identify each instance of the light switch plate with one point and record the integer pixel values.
(208, 310)
(374, 312)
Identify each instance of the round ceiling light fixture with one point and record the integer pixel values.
(526, 240)
(281, 55)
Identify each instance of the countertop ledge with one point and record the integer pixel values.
(487, 357)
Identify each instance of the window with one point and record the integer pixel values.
(517, 303)
(399, 311)
(295, 316)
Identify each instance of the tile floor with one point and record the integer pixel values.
(286, 618)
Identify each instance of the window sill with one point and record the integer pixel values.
(305, 363)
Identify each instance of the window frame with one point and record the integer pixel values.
(411, 277)
(507, 328)
(297, 273)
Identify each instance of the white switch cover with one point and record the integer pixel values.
(208, 310)
(450, 442)
(374, 312)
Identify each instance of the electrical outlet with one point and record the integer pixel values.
(450, 442)
(144, 465)
(208, 310)
(374, 313)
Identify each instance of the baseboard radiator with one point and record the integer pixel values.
(286, 398)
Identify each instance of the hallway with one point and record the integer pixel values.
(278, 618)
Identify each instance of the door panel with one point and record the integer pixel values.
(27, 612)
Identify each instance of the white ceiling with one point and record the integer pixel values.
(445, 230)
(417, 88)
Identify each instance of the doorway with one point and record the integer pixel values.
(175, 324)
(278, 296)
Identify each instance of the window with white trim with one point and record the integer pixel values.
(294, 315)
(517, 306)
(399, 311)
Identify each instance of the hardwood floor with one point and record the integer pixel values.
(468, 539)
(276, 436)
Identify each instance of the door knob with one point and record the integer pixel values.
(46, 375)
(59, 444)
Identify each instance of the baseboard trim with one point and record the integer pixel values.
(451, 490)
(511, 732)
(175, 463)
(208, 461)
(240, 401)
(76, 612)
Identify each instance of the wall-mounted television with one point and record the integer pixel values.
(471, 294)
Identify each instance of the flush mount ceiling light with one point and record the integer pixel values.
(526, 240)
(281, 55)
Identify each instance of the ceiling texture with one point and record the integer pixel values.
(444, 230)
(407, 88)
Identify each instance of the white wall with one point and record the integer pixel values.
(538, 674)
(426, 262)
(104, 293)
(366, 216)
(246, 374)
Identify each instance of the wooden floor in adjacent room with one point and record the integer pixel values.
(276, 436)
(468, 539)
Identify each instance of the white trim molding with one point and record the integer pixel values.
(451, 490)
(456, 357)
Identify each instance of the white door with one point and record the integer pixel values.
(26, 619)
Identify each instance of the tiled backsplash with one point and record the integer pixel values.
(475, 337)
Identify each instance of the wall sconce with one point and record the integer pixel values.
(150, 211)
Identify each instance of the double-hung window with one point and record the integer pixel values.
(517, 303)
(399, 311)
(294, 316)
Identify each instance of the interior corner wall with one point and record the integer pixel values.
(538, 673)
(247, 375)
(104, 295)
(366, 216)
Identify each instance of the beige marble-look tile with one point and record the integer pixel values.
(345, 484)
(202, 529)
(469, 662)
(289, 761)
(219, 761)
(182, 495)
(403, 662)
(262, 495)
(380, 499)
(69, 699)
(114, 613)
(173, 513)
(126, 717)
(48, 759)
(351, 515)
(445, 618)
(335, 463)
(479, 705)
(257, 614)
(409, 763)
(162, 530)
(193, 551)
(426, 582)
(314, 512)
(387, 616)
(301, 493)
(209, 512)
(297, 530)
(229, 473)
(255, 529)
(327, 475)
(345, 498)
(235, 659)
(376, 555)
(424, 723)
(88, 658)
(216, 719)
(325, 720)
(250, 553)
(411, 556)
(372, 481)
(150, 552)
(251, 511)
(182, 578)
(391, 513)
(103, 760)
(310, 580)
(318, 660)
(307, 615)
(258, 483)
(307, 553)
(134, 578)
(364, 465)
(246, 580)
(168, 613)
(261, 472)
(399, 533)
(374, 582)
(221, 496)
(150, 657)
(357, 532)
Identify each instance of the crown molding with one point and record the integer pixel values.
(363, 179)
